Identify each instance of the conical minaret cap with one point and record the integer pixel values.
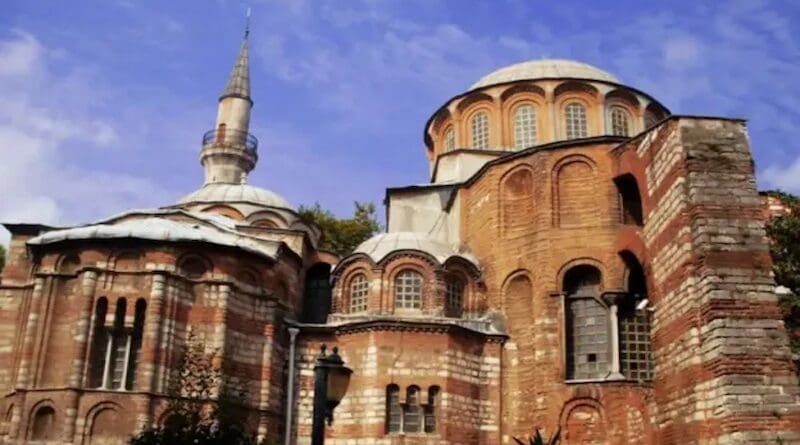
(239, 82)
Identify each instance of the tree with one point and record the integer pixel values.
(192, 415)
(2, 257)
(784, 234)
(342, 235)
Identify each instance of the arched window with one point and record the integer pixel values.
(359, 290)
(430, 409)
(408, 290)
(620, 121)
(636, 355)
(394, 412)
(449, 139)
(116, 346)
(480, 130)
(411, 411)
(454, 293)
(575, 121)
(630, 200)
(524, 126)
(43, 424)
(193, 267)
(587, 325)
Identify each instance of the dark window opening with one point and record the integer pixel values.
(588, 353)
(630, 200)
(317, 296)
(635, 352)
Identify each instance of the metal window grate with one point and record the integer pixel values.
(588, 328)
(575, 117)
(524, 126)
(359, 291)
(455, 295)
(394, 413)
(408, 290)
(480, 130)
(449, 140)
(620, 122)
(636, 356)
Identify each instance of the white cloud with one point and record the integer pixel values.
(681, 51)
(783, 177)
(48, 132)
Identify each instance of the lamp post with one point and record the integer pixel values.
(331, 379)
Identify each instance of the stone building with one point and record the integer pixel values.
(581, 258)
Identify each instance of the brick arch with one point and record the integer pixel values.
(574, 181)
(583, 422)
(518, 307)
(43, 407)
(225, 210)
(68, 263)
(582, 261)
(421, 265)
(265, 218)
(473, 99)
(103, 425)
(575, 86)
(524, 87)
(516, 210)
(194, 265)
(125, 260)
(442, 116)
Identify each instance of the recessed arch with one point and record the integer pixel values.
(575, 187)
(194, 266)
(621, 95)
(43, 421)
(265, 218)
(442, 116)
(520, 88)
(473, 99)
(583, 421)
(574, 86)
(127, 260)
(517, 213)
(69, 263)
(317, 295)
(103, 424)
(225, 210)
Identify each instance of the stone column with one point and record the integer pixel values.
(83, 328)
(149, 355)
(29, 338)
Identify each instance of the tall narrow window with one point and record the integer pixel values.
(394, 412)
(480, 130)
(455, 296)
(524, 126)
(636, 355)
(449, 139)
(630, 200)
(359, 290)
(408, 290)
(575, 121)
(430, 409)
(411, 411)
(587, 325)
(116, 346)
(620, 121)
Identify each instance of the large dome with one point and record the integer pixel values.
(544, 69)
(236, 193)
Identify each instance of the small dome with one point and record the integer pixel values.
(379, 246)
(213, 193)
(544, 69)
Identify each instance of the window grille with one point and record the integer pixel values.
(115, 348)
(411, 412)
(449, 140)
(454, 295)
(480, 130)
(430, 410)
(575, 119)
(408, 290)
(636, 357)
(394, 413)
(359, 290)
(524, 126)
(620, 122)
(411, 416)
(587, 325)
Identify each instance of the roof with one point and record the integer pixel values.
(239, 82)
(544, 69)
(156, 226)
(380, 246)
(221, 192)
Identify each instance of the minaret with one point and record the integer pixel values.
(229, 150)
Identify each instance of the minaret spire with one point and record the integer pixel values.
(239, 81)
(229, 150)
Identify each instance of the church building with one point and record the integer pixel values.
(581, 259)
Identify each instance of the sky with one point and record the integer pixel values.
(103, 102)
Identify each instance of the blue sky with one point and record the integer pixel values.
(103, 102)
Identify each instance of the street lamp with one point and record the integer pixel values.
(331, 379)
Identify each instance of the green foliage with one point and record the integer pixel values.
(342, 235)
(784, 234)
(538, 439)
(2, 257)
(192, 416)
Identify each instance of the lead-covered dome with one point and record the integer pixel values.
(544, 69)
(219, 193)
(380, 246)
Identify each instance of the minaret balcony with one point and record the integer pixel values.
(231, 138)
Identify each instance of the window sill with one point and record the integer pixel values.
(608, 380)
